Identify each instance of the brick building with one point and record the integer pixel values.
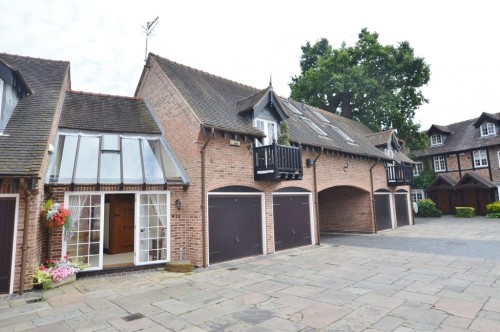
(465, 157)
(250, 196)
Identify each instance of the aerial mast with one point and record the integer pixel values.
(148, 29)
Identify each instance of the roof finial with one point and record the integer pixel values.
(271, 80)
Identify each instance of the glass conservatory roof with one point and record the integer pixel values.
(113, 159)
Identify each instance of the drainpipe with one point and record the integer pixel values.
(24, 247)
(373, 196)
(203, 190)
(316, 206)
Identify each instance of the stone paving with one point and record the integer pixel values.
(438, 275)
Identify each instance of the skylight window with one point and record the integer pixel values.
(315, 127)
(321, 116)
(341, 133)
(292, 108)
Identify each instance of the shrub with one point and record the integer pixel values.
(427, 208)
(493, 215)
(465, 212)
(493, 208)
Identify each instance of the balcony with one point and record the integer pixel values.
(399, 175)
(277, 162)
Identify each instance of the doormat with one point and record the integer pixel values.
(132, 317)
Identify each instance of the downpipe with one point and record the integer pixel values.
(203, 193)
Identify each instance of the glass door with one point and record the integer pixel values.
(86, 243)
(152, 231)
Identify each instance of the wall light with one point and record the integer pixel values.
(178, 204)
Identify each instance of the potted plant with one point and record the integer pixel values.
(53, 273)
(56, 215)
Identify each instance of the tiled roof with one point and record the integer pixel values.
(463, 136)
(382, 138)
(25, 139)
(106, 113)
(215, 101)
(472, 180)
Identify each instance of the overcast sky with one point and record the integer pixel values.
(249, 41)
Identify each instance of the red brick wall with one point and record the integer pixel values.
(345, 209)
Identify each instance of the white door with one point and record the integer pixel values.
(86, 244)
(152, 230)
(270, 128)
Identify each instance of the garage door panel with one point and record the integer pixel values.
(292, 227)
(402, 215)
(383, 211)
(234, 227)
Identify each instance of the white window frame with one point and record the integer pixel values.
(417, 194)
(418, 168)
(498, 155)
(488, 129)
(321, 116)
(439, 163)
(268, 140)
(291, 107)
(480, 158)
(437, 139)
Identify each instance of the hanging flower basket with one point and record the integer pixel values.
(56, 216)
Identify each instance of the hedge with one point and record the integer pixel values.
(465, 212)
(427, 208)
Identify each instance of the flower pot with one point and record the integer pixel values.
(52, 224)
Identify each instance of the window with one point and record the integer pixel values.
(418, 168)
(341, 133)
(321, 116)
(488, 129)
(291, 107)
(436, 139)
(314, 126)
(270, 128)
(480, 158)
(112, 159)
(439, 164)
(417, 194)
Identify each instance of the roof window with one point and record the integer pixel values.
(321, 116)
(292, 108)
(314, 126)
(341, 133)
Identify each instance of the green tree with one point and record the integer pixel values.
(284, 137)
(376, 84)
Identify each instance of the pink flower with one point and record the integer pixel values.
(41, 268)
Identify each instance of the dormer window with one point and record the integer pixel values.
(437, 139)
(488, 129)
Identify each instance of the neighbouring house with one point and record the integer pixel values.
(465, 157)
(249, 195)
(104, 157)
(31, 98)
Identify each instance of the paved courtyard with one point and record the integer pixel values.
(441, 274)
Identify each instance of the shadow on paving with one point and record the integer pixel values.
(437, 246)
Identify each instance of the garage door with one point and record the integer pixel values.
(7, 215)
(234, 227)
(292, 224)
(402, 215)
(383, 211)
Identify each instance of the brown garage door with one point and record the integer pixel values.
(402, 215)
(292, 224)
(234, 227)
(383, 211)
(7, 215)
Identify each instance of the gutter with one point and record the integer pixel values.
(316, 206)
(374, 223)
(203, 194)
